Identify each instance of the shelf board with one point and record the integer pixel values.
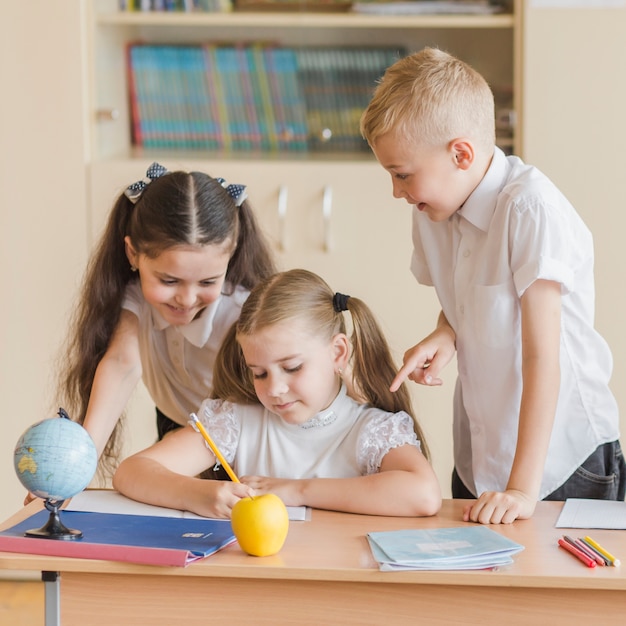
(135, 153)
(304, 20)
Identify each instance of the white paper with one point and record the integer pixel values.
(110, 501)
(583, 513)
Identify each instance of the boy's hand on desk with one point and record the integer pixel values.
(500, 507)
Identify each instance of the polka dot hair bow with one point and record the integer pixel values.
(133, 192)
(236, 192)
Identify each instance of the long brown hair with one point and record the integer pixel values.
(178, 208)
(300, 294)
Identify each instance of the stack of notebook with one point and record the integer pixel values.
(460, 548)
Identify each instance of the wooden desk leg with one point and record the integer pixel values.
(52, 603)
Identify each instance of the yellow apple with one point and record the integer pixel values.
(260, 524)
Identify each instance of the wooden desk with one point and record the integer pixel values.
(325, 575)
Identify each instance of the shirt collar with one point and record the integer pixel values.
(480, 206)
(198, 331)
(328, 415)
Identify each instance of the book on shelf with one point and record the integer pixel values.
(457, 548)
(215, 97)
(187, 6)
(308, 6)
(259, 97)
(338, 84)
(290, 121)
(427, 7)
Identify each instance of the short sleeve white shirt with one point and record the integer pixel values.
(177, 361)
(516, 228)
(345, 440)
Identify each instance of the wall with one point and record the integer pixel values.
(42, 209)
(575, 131)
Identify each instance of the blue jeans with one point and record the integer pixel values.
(602, 476)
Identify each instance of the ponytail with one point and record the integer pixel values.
(373, 367)
(252, 260)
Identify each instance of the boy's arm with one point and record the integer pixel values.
(165, 475)
(406, 485)
(541, 331)
(424, 362)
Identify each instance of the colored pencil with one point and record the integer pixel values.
(596, 546)
(579, 554)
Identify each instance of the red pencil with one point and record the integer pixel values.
(594, 556)
(579, 554)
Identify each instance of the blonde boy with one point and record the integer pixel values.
(512, 264)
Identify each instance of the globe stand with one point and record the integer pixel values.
(54, 528)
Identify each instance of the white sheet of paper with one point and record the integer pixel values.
(584, 513)
(110, 501)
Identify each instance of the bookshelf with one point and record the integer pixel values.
(332, 213)
(489, 42)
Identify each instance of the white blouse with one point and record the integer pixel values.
(177, 361)
(345, 440)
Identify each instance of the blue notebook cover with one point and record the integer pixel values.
(131, 538)
(463, 547)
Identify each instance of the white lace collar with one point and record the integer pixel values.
(327, 416)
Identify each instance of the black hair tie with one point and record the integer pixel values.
(340, 302)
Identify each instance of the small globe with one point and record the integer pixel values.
(55, 458)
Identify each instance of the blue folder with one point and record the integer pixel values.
(117, 537)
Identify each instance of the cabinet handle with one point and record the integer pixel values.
(282, 217)
(107, 115)
(327, 206)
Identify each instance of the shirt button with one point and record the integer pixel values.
(466, 253)
(462, 309)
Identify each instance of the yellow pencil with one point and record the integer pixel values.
(615, 562)
(197, 425)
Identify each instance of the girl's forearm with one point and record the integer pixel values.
(394, 493)
(145, 480)
(110, 393)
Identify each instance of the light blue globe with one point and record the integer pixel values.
(56, 458)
